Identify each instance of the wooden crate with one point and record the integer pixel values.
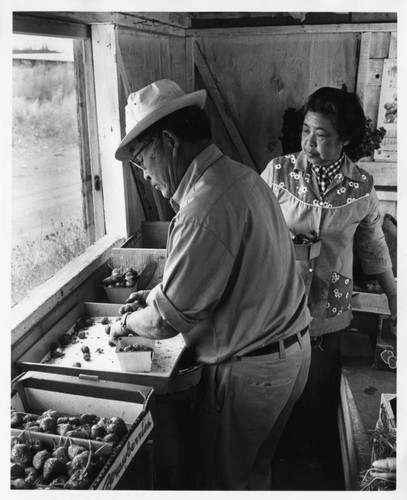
(103, 365)
(36, 392)
(152, 234)
(138, 258)
(370, 315)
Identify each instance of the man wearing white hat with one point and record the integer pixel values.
(229, 286)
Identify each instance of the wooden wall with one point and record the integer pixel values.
(252, 76)
(142, 59)
(261, 76)
(375, 48)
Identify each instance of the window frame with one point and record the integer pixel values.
(44, 300)
(92, 193)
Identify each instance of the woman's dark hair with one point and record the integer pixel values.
(343, 109)
(190, 124)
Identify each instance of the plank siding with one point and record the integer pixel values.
(145, 58)
(261, 76)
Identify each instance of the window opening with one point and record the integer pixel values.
(48, 221)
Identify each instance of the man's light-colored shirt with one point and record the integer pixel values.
(230, 283)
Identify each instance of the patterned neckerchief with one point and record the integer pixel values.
(325, 173)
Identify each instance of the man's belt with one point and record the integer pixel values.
(275, 346)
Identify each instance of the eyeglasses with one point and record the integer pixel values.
(138, 162)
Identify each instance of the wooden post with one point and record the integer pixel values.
(90, 166)
(107, 104)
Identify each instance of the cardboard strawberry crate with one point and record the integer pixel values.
(388, 411)
(385, 433)
(384, 447)
(103, 362)
(119, 294)
(148, 262)
(36, 392)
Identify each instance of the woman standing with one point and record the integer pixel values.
(320, 189)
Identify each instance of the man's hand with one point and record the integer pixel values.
(136, 301)
(140, 297)
(117, 330)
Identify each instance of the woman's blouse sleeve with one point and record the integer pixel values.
(370, 242)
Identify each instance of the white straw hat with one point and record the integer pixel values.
(148, 105)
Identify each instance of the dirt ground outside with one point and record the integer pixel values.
(47, 218)
(46, 188)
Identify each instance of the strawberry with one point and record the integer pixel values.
(78, 481)
(59, 482)
(16, 471)
(111, 438)
(52, 469)
(61, 453)
(21, 454)
(20, 484)
(16, 420)
(48, 424)
(36, 445)
(75, 449)
(88, 418)
(117, 426)
(80, 461)
(32, 475)
(13, 441)
(40, 458)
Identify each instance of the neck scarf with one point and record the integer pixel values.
(325, 173)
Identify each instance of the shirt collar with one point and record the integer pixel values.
(348, 169)
(197, 167)
(329, 169)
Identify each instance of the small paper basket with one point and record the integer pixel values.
(135, 361)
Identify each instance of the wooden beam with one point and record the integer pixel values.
(363, 66)
(93, 138)
(86, 171)
(35, 25)
(386, 195)
(373, 88)
(292, 30)
(379, 48)
(92, 195)
(174, 19)
(189, 63)
(221, 105)
(104, 43)
(146, 22)
(393, 46)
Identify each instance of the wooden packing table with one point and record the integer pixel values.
(361, 386)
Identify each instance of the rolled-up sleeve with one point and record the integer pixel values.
(370, 242)
(194, 280)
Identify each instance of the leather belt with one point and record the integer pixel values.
(275, 346)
